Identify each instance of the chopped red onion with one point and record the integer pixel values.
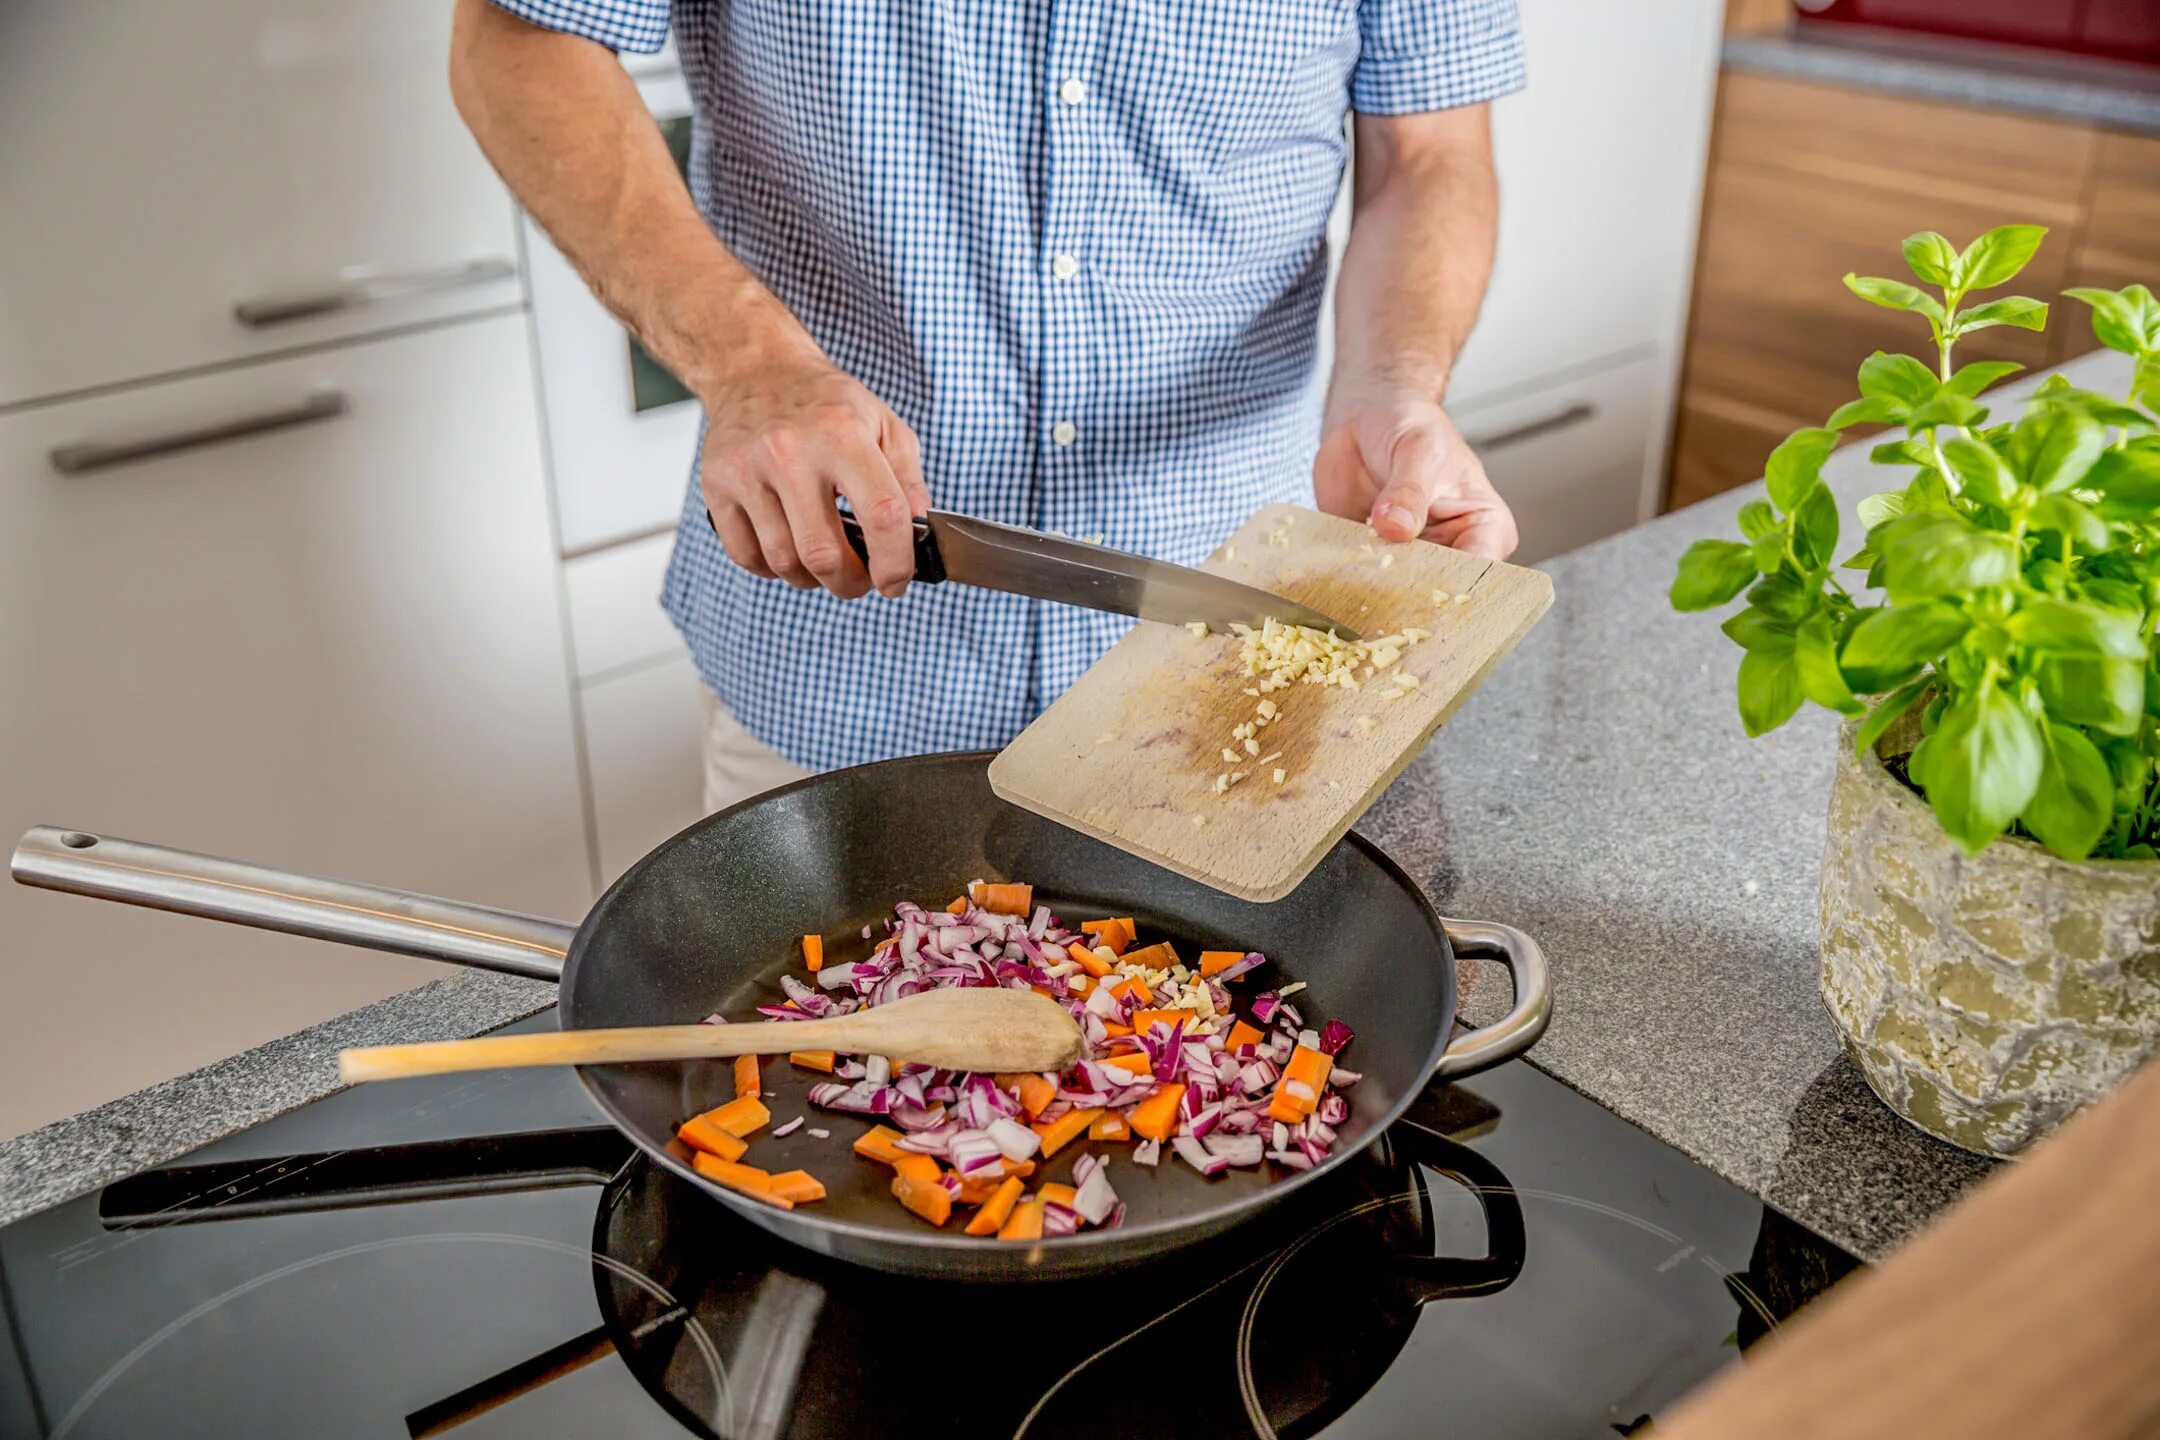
(1147, 1152)
(1264, 1006)
(918, 1118)
(1334, 1036)
(816, 1134)
(850, 1070)
(1093, 1197)
(1343, 1079)
(1239, 1150)
(1309, 1039)
(832, 977)
(973, 1150)
(1014, 1141)
(1252, 961)
(926, 1142)
(1199, 1125)
(1193, 1153)
(781, 1132)
(1333, 1109)
(1059, 1219)
(1294, 1159)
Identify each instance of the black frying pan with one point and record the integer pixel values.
(710, 919)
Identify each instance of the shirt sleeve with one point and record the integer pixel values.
(635, 25)
(1418, 55)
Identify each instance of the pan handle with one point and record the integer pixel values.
(108, 868)
(1516, 1031)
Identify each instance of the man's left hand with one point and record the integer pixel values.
(1398, 461)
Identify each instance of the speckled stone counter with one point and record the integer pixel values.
(2112, 93)
(1597, 791)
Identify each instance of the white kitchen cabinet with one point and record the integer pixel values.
(642, 731)
(1570, 454)
(168, 165)
(337, 645)
(615, 615)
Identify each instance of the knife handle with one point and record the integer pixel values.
(929, 563)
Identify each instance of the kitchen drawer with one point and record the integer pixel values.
(334, 645)
(615, 614)
(169, 163)
(1572, 457)
(642, 733)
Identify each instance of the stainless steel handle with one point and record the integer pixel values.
(186, 883)
(1517, 1030)
(278, 309)
(98, 455)
(1575, 414)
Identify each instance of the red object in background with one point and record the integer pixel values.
(2118, 29)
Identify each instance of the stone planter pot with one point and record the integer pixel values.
(1986, 997)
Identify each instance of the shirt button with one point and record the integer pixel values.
(1072, 92)
(1063, 433)
(1064, 266)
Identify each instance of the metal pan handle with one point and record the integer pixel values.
(1517, 1030)
(108, 868)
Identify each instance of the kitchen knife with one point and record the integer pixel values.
(1074, 572)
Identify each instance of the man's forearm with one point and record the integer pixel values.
(1420, 251)
(563, 124)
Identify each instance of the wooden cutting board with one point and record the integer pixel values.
(1130, 754)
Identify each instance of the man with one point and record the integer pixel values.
(1056, 263)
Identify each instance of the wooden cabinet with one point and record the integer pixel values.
(170, 165)
(1809, 181)
(336, 645)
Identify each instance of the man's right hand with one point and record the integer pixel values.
(786, 434)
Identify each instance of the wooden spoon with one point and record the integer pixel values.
(976, 1028)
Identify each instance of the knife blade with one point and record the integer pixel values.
(1017, 561)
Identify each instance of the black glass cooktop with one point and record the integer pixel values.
(475, 1256)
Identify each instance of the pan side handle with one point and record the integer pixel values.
(134, 873)
(1517, 1030)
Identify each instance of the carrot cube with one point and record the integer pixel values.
(1241, 1034)
(813, 953)
(911, 1165)
(700, 1134)
(798, 1187)
(1142, 1019)
(1213, 962)
(1085, 957)
(741, 1117)
(1057, 1195)
(1025, 1222)
(747, 1179)
(1109, 1126)
(1155, 1117)
(1309, 1068)
(1136, 1061)
(814, 1059)
(879, 1142)
(746, 1078)
(1066, 1128)
(959, 905)
(1003, 899)
(1036, 1093)
(1159, 956)
(927, 1198)
(995, 1209)
(1133, 985)
(1114, 935)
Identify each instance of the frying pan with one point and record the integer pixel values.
(710, 919)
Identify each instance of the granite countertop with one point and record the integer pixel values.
(2113, 93)
(1598, 792)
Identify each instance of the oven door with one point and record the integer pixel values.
(622, 432)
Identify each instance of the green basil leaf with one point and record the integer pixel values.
(1769, 691)
(2063, 515)
(1753, 629)
(2145, 380)
(2019, 310)
(2053, 447)
(1981, 473)
(1901, 636)
(1946, 409)
(1936, 553)
(1877, 508)
(1868, 410)
(1757, 519)
(2102, 409)
(2104, 695)
(1901, 452)
(1862, 559)
(1711, 573)
(2122, 319)
(1884, 376)
(2075, 800)
(1769, 550)
(1783, 596)
(1797, 461)
(1815, 527)
(1932, 258)
(1886, 713)
(2128, 482)
(1997, 256)
(1972, 379)
(1815, 662)
(1983, 765)
(1895, 295)
(2065, 627)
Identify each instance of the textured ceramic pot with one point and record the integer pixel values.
(1986, 997)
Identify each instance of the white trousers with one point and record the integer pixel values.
(738, 765)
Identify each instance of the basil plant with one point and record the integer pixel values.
(2011, 579)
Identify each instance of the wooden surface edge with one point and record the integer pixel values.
(2031, 1308)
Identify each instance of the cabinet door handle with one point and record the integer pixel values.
(1575, 414)
(277, 309)
(98, 455)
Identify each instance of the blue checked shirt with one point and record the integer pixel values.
(1078, 245)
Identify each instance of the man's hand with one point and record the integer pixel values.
(783, 437)
(1398, 461)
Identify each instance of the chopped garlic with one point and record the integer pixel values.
(1281, 774)
(1229, 754)
(1439, 597)
(1198, 821)
(1271, 759)
(1405, 679)
(1198, 628)
(1222, 783)
(1267, 710)
(1252, 746)
(1364, 724)
(1249, 690)
(1291, 989)
(1462, 599)
(1387, 560)
(1229, 552)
